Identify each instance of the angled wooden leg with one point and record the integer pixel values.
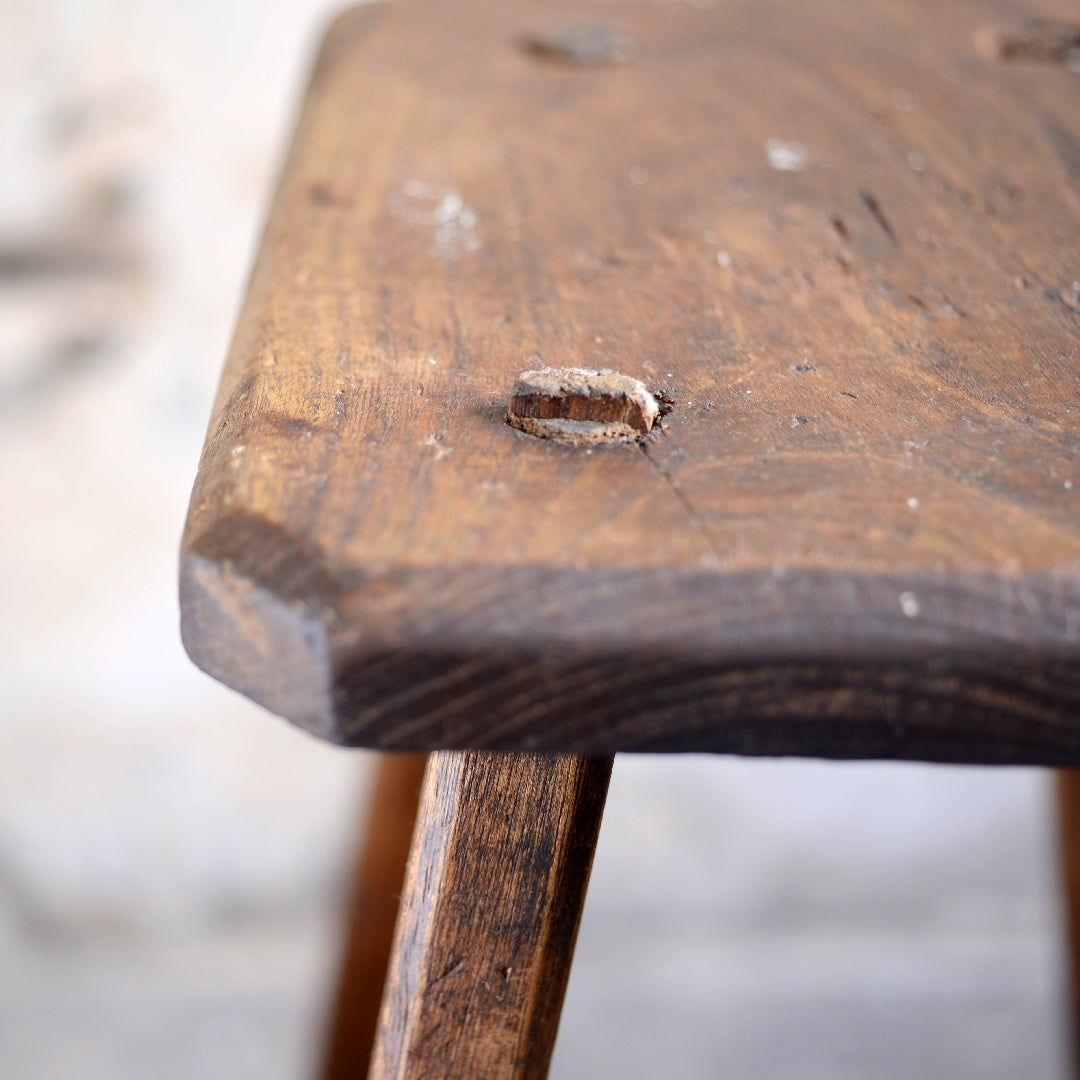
(1068, 801)
(493, 895)
(376, 886)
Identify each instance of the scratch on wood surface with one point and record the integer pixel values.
(453, 969)
(681, 499)
(871, 203)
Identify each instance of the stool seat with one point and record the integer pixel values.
(838, 242)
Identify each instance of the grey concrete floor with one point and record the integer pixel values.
(746, 919)
(172, 860)
(804, 920)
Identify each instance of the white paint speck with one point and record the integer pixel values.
(723, 258)
(638, 174)
(913, 503)
(452, 223)
(435, 442)
(432, 361)
(786, 156)
(916, 161)
(1068, 485)
(904, 100)
(909, 604)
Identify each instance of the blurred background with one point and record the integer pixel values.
(172, 860)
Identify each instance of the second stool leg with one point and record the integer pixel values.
(493, 895)
(376, 885)
(1068, 802)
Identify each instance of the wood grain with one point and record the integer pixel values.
(378, 878)
(839, 240)
(493, 895)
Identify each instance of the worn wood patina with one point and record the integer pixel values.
(840, 240)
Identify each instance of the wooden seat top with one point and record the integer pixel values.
(841, 242)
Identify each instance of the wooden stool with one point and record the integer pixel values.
(840, 517)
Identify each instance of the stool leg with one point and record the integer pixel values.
(493, 895)
(377, 880)
(1068, 801)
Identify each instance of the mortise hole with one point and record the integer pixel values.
(1044, 41)
(582, 406)
(585, 45)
